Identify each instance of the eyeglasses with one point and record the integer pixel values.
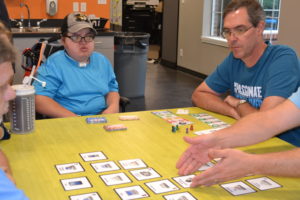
(78, 38)
(237, 31)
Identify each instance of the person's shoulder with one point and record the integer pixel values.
(96, 56)
(280, 48)
(56, 55)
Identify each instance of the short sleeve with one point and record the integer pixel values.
(219, 81)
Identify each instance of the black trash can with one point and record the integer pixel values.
(130, 62)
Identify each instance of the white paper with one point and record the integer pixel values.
(105, 166)
(134, 192)
(237, 188)
(69, 168)
(144, 174)
(92, 156)
(162, 186)
(132, 164)
(75, 183)
(115, 179)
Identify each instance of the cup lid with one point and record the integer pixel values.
(23, 89)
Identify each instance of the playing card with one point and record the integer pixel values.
(143, 174)
(95, 120)
(88, 196)
(161, 186)
(182, 111)
(180, 196)
(237, 188)
(115, 179)
(133, 192)
(128, 117)
(115, 127)
(184, 181)
(105, 166)
(206, 166)
(92, 156)
(75, 183)
(264, 183)
(69, 168)
(132, 164)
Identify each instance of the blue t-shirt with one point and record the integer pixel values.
(8, 190)
(81, 90)
(277, 73)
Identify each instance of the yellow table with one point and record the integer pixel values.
(58, 141)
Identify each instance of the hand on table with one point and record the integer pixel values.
(232, 101)
(196, 155)
(233, 164)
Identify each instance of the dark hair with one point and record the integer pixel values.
(7, 51)
(254, 9)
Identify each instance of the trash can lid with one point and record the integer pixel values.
(132, 35)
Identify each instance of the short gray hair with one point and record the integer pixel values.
(255, 11)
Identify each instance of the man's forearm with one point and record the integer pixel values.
(113, 101)
(49, 107)
(245, 109)
(213, 103)
(259, 126)
(278, 164)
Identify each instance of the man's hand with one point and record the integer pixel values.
(233, 164)
(232, 101)
(111, 109)
(196, 155)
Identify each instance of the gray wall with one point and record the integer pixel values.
(203, 57)
(289, 25)
(169, 31)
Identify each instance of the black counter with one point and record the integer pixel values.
(45, 34)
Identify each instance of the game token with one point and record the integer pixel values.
(191, 127)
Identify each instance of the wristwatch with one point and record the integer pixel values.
(241, 102)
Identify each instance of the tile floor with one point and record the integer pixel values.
(165, 88)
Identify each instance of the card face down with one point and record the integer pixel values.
(115, 127)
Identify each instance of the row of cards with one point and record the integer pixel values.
(146, 173)
(210, 120)
(241, 188)
(164, 186)
(97, 120)
(133, 192)
(172, 118)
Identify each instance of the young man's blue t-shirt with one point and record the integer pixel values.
(277, 73)
(81, 90)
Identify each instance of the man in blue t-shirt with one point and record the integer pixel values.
(252, 129)
(8, 190)
(258, 75)
(78, 80)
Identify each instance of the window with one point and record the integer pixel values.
(213, 22)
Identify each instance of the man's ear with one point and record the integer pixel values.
(261, 26)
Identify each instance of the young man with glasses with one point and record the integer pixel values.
(258, 75)
(78, 80)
